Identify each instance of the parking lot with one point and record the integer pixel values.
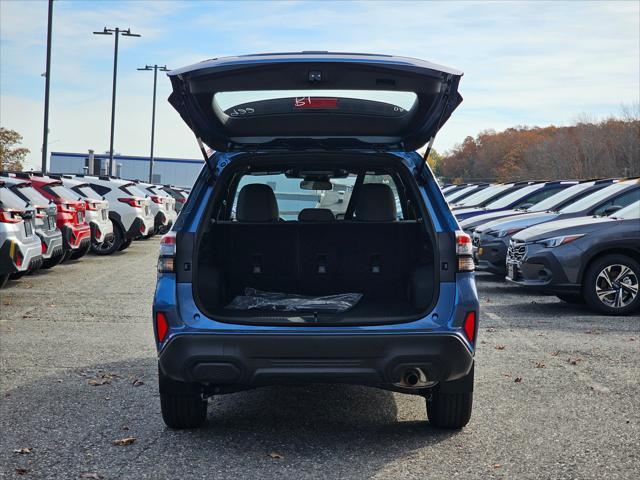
(557, 391)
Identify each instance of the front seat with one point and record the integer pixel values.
(375, 203)
(257, 203)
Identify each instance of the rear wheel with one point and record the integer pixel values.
(53, 261)
(110, 245)
(610, 285)
(80, 252)
(4, 279)
(17, 275)
(124, 245)
(449, 410)
(181, 403)
(570, 298)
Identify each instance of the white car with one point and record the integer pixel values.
(129, 210)
(97, 213)
(163, 206)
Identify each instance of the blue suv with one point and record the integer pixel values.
(316, 245)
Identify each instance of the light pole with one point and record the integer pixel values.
(47, 83)
(125, 33)
(155, 69)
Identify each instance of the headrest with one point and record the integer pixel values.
(257, 203)
(376, 203)
(316, 215)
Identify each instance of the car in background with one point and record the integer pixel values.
(70, 213)
(97, 213)
(45, 220)
(179, 194)
(162, 206)
(595, 259)
(491, 239)
(458, 195)
(129, 210)
(488, 195)
(20, 247)
(451, 189)
(519, 200)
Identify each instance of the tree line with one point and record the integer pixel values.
(587, 149)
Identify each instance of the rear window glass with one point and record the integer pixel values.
(34, 196)
(8, 199)
(63, 192)
(628, 213)
(88, 192)
(292, 199)
(132, 189)
(375, 102)
(560, 197)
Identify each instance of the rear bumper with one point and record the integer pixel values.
(491, 257)
(76, 236)
(245, 361)
(139, 227)
(53, 242)
(101, 229)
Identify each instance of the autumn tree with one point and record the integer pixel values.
(12, 154)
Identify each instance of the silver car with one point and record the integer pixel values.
(45, 221)
(97, 211)
(20, 247)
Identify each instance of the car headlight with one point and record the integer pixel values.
(557, 241)
(509, 231)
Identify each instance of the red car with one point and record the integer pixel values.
(70, 216)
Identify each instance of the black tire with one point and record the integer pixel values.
(80, 252)
(17, 275)
(125, 244)
(592, 280)
(181, 404)
(53, 261)
(109, 246)
(449, 410)
(4, 279)
(571, 298)
(66, 256)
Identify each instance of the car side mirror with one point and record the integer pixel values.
(611, 209)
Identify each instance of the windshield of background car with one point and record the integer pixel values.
(629, 212)
(88, 192)
(34, 196)
(483, 195)
(559, 198)
(63, 192)
(513, 196)
(8, 199)
(594, 198)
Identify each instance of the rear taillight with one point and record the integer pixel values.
(134, 202)
(9, 215)
(162, 326)
(181, 200)
(464, 252)
(92, 206)
(469, 326)
(156, 199)
(166, 260)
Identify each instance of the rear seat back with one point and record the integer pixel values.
(318, 258)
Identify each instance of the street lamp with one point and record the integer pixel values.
(155, 69)
(124, 33)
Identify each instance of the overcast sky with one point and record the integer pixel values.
(525, 63)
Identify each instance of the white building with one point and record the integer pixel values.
(175, 171)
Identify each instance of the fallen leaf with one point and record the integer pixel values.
(508, 375)
(124, 441)
(500, 347)
(93, 475)
(542, 334)
(276, 456)
(21, 471)
(518, 380)
(556, 353)
(482, 342)
(100, 381)
(573, 361)
(23, 450)
(125, 428)
(137, 382)
(632, 339)
(496, 465)
(491, 330)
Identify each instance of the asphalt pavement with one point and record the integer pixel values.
(557, 395)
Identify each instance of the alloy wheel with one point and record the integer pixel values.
(617, 286)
